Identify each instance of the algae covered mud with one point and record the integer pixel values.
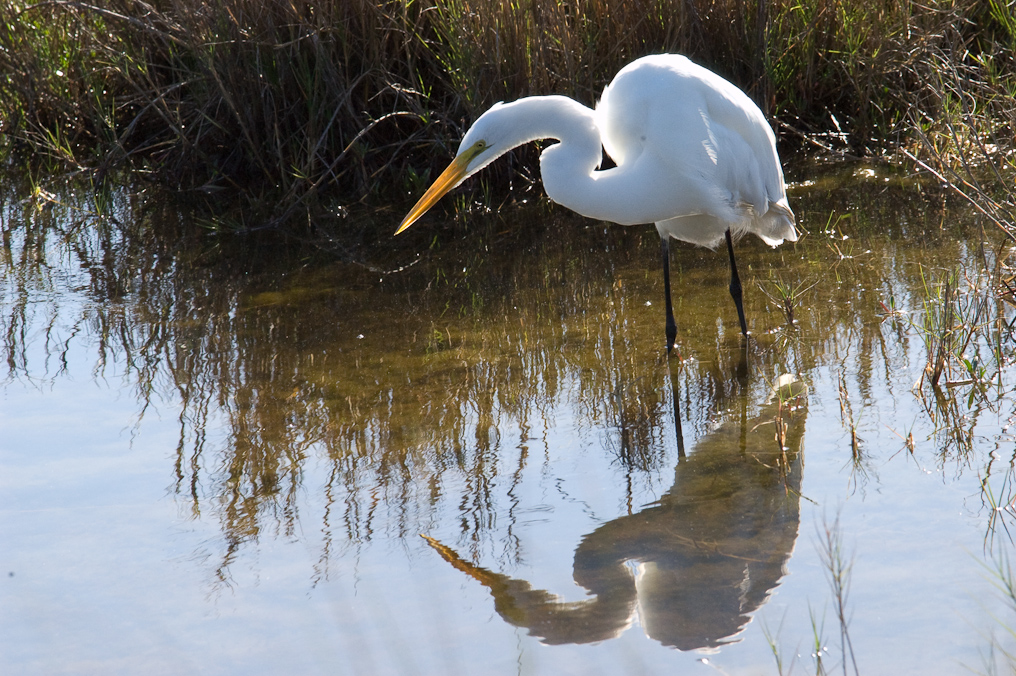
(216, 459)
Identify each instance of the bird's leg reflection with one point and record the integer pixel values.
(709, 552)
(676, 394)
(741, 370)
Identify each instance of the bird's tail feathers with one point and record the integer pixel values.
(775, 225)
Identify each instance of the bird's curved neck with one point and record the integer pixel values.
(554, 117)
(566, 165)
(569, 168)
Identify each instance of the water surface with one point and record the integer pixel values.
(219, 456)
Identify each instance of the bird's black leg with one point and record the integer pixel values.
(735, 286)
(671, 324)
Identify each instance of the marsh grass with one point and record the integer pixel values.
(1000, 504)
(784, 294)
(860, 462)
(1000, 571)
(964, 132)
(968, 345)
(286, 109)
(965, 328)
(838, 563)
(266, 103)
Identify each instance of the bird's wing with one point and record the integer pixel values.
(750, 145)
(698, 127)
(695, 155)
(654, 124)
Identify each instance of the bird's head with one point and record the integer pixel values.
(481, 145)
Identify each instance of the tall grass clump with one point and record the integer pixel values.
(268, 102)
(289, 109)
(965, 134)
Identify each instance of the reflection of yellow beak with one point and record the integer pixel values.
(448, 179)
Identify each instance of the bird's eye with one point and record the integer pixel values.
(480, 145)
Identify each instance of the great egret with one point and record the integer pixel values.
(693, 154)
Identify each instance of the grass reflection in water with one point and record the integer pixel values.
(516, 372)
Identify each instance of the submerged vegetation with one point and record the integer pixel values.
(289, 110)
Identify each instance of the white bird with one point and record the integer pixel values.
(693, 154)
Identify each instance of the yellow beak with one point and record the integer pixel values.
(448, 179)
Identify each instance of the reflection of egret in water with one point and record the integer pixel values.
(709, 552)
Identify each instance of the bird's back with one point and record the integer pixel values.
(664, 115)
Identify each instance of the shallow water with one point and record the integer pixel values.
(219, 457)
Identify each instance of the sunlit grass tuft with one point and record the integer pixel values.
(785, 295)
